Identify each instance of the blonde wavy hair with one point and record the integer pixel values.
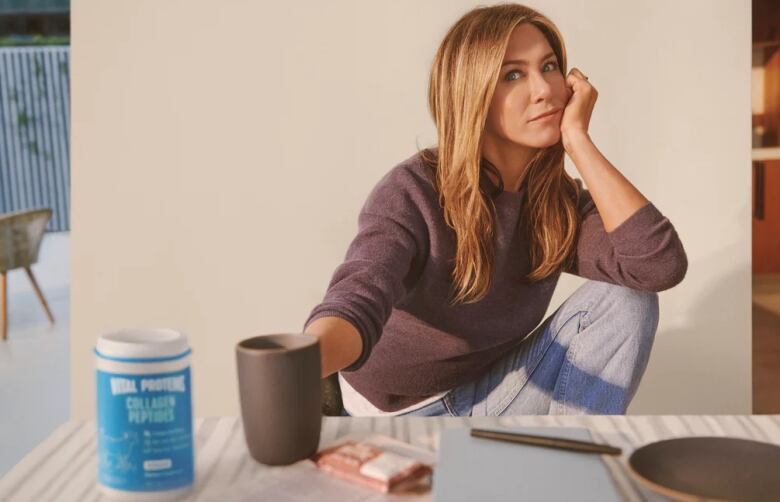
(463, 77)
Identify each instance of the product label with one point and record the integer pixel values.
(145, 440)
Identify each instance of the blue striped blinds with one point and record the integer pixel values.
(35, 131)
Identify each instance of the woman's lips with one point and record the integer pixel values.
(549, 116)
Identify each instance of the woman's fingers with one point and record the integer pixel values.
(578, 73)
(581, 100)
(579, 81)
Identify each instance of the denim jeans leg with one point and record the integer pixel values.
(608, 357)
(490, 394)
(586, 358)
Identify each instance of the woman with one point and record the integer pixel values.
(460, 247)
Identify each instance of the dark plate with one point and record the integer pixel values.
(710, 468)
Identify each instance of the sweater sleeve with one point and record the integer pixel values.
(644, 252)
(379, 265)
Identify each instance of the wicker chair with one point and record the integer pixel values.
(21, 233)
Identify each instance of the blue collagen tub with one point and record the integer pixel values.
(144, 414)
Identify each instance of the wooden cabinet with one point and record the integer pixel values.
(766, 134)
(766, 206)
(766, 217)
(766, 14)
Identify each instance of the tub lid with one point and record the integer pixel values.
(142, 343)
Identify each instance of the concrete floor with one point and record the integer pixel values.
(34, 364)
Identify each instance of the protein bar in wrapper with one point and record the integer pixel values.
(372, 466)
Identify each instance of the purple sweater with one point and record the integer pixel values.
(394, 282)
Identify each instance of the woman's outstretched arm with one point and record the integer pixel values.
(377, 271)
(340, 343)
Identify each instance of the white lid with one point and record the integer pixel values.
(142, 343)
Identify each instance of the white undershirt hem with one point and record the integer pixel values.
(358, 406)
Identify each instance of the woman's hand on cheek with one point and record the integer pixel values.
(576, 114)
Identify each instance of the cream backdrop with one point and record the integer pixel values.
(222, 150)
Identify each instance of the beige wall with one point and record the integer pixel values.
(222, 150)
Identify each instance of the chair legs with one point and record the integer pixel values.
(4, 301)
(3, 305)
(39, 293)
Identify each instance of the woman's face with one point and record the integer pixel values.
(526, 90)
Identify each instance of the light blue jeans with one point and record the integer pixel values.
(586, 358)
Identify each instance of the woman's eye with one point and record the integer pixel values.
(551, 63)
(512, 73)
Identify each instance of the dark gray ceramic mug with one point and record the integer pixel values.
(279, 387)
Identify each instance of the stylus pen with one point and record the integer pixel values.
(550, 442)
